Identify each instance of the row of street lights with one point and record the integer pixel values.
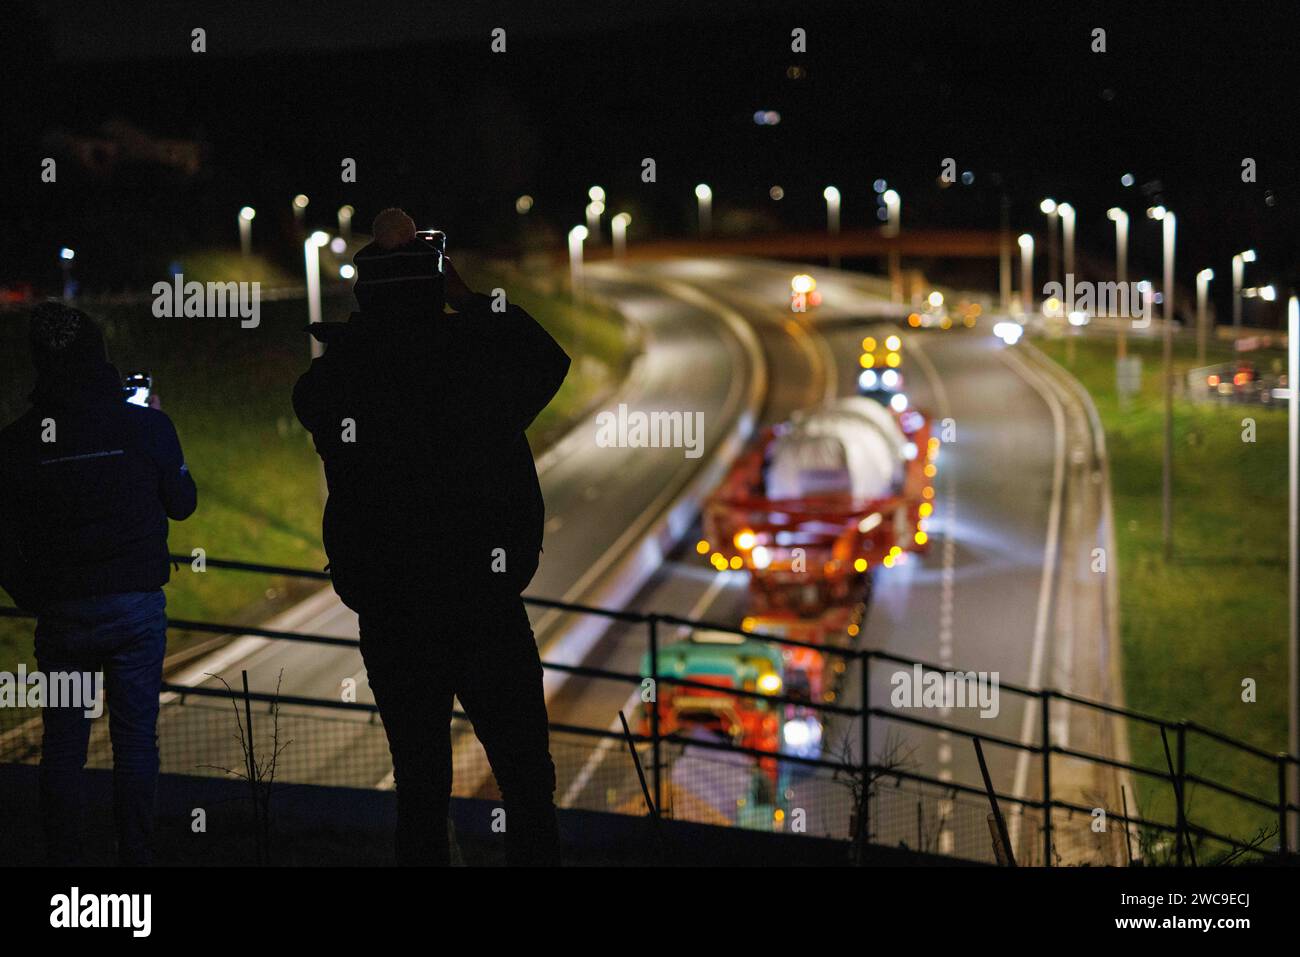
(247, 214)
(704, 212)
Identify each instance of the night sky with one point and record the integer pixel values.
(440, 124)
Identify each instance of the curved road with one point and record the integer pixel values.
(1005, 588)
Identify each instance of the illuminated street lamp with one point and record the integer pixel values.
(1238, 275)
(618, 228)
(1169, 223)
(832, 197)
(704, 196)
(893, 223)
(576, 235)
(345, 222)
(1066, 212)
(300, 209)
(311, 255)
(66, 256)
(1167, 484)
(246, 230)
(1120, 219)
(595, 209)
(894, 208)
(1202, 326)
(1026, 273)
(1053, 214)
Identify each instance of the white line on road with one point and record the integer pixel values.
(1049, 572)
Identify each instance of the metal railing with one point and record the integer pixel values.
(863, 769)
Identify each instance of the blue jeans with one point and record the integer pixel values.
(124, 636)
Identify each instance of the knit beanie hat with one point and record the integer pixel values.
(60, 335)
(397, 272)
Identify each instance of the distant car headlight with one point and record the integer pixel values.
(1008, 332)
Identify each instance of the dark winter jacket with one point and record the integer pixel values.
(87, 483)
(420, 422)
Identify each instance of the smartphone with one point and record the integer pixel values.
(437, 239)
(137, 388)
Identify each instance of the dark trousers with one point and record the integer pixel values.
(483, 652)
(124, 636)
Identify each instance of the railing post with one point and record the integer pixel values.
(1047, 778)
(1180, 770)
(864, 812)
(653, 622)
(1283, 847)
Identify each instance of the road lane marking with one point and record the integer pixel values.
(1035, 381)
(947, 588)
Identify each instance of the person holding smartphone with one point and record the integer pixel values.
(88, 482)
(434, 525)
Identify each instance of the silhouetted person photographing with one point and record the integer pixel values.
(87, 484)
(433, 526)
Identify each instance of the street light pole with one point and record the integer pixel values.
(1167, 482)
(1202, 325)
(1120, 219)
(576, 235)
(893, 225)
(246, 231)
(1050, 210)
(1026, 274)
(595, 209)
(300, 210)
(345, 222)
(66, 256)
(704, 197)
(832, 196)
(1238, 275)
(311, 254)
(618, 230)
(1066, 212)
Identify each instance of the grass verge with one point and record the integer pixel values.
(1196, 628)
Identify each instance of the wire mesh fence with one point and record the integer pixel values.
(1078, 797)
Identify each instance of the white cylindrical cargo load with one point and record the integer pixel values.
(852, 447)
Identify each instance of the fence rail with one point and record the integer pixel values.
(864, 771)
